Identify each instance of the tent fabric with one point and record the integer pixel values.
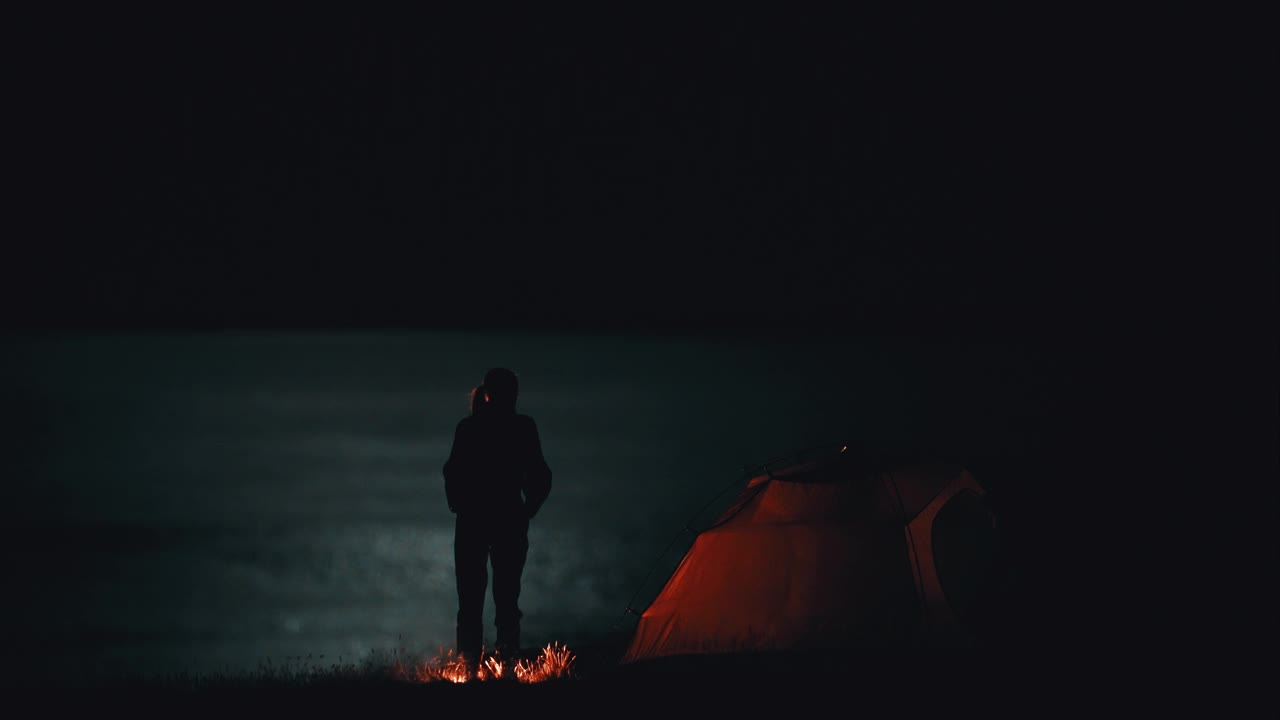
(818, 556)
(938, 616)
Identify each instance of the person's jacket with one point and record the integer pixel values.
(496, 466)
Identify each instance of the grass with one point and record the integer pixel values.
(397, 667)
(396, 681)
(389, 681)
(588, 681)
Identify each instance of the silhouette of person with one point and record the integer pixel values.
(495, 480)
(478, 398)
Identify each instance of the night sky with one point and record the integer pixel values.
(870, 172)
(1083, 185)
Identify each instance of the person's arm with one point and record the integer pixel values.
(537, 474)
(454, 474)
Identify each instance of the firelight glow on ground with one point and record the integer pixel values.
(555, 661)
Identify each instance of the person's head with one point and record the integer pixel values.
(478, 398)
(501, 388)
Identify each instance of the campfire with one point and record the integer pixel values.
(554, 661)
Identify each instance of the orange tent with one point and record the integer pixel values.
(829, 554)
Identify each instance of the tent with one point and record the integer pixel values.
(834, 553)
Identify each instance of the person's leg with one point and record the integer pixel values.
(470, 559)
(510, 550)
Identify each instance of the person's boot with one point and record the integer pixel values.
(470, 645)
(507, 646)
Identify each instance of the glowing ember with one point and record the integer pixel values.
(448, 667)
(555, 661)
(493, 668)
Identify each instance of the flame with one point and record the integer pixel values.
(555, 661)
(447, 668)
(493, 668)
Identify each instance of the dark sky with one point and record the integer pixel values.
(961, 171)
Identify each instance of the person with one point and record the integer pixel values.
(496, 479)
(478, 399)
